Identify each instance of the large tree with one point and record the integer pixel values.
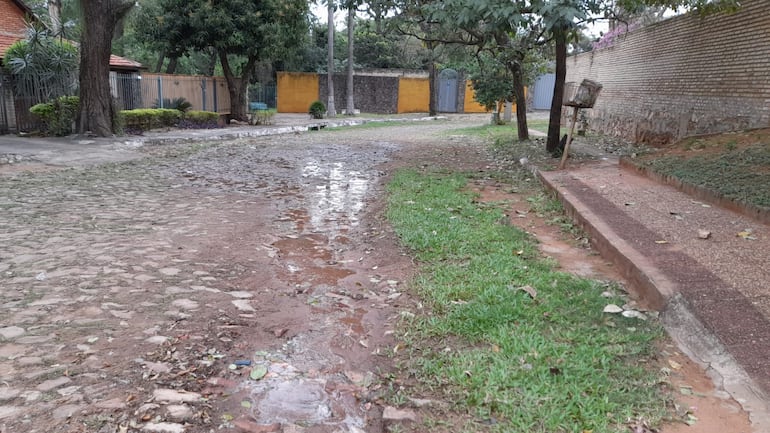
(100, 17)
(498, 28)
(242, 33)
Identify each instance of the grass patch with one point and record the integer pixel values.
(552, 363)
(740, 173)
(499, 132)
(373, 125)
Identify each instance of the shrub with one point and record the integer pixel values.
(200, 120)
(42, 66)
(263, 117)
(145, 119)
(317, 110)
(57, 114)
(180, 104)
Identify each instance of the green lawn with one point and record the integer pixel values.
(513, 362)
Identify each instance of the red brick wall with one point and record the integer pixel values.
(11, 18)
(687, 75)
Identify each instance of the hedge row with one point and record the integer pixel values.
(59, 114)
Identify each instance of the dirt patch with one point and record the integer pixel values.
(694, 398)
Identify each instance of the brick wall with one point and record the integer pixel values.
(11, 18)
(684, 76)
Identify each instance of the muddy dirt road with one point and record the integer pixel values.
(152, 295)
(250, 286)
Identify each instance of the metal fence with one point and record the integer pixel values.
(18, 94)
(7, 117)
(265, 93)
(132, 90)
(156, 91)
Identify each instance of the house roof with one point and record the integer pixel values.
(20, 4)
(117, 62)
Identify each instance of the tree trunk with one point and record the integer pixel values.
(237, 87)
(331, 111)
(349, 106)
(54, 12)
(172, 63)
(432, 81)
(432, 89)
(161, 59)
(97, 112)
(521, 102)
(554, 123)
(211, 65)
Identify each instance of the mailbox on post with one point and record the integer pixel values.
(577, 97)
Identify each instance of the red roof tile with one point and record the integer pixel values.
(118, 62)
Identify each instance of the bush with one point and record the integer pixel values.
(317, 110)
(144, 119)
(200, 120)
(180, 104)
(57, 114)
(263, 117)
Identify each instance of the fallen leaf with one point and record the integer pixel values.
(685, 390)
(530, 291)
(246, 404)
(612, 309)
(691, 419)
(633, 314)
(258, 372)
(675, 365)
(746, 234)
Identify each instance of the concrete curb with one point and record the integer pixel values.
(685, 328)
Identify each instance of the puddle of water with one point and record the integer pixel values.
(293, 391)
(340, 196)
(298, 401)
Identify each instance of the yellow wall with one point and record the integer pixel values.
(296, 91)
(413, 95)
(471, 106)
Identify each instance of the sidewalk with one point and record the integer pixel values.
(714, 293)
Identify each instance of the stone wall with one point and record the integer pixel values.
(684, 76)
(374, 94)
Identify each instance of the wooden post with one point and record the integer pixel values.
(569, 138)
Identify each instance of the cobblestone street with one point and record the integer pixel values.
(155, 294)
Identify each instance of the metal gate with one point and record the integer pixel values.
(447, 91)
(543, 94)
(6, 100)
